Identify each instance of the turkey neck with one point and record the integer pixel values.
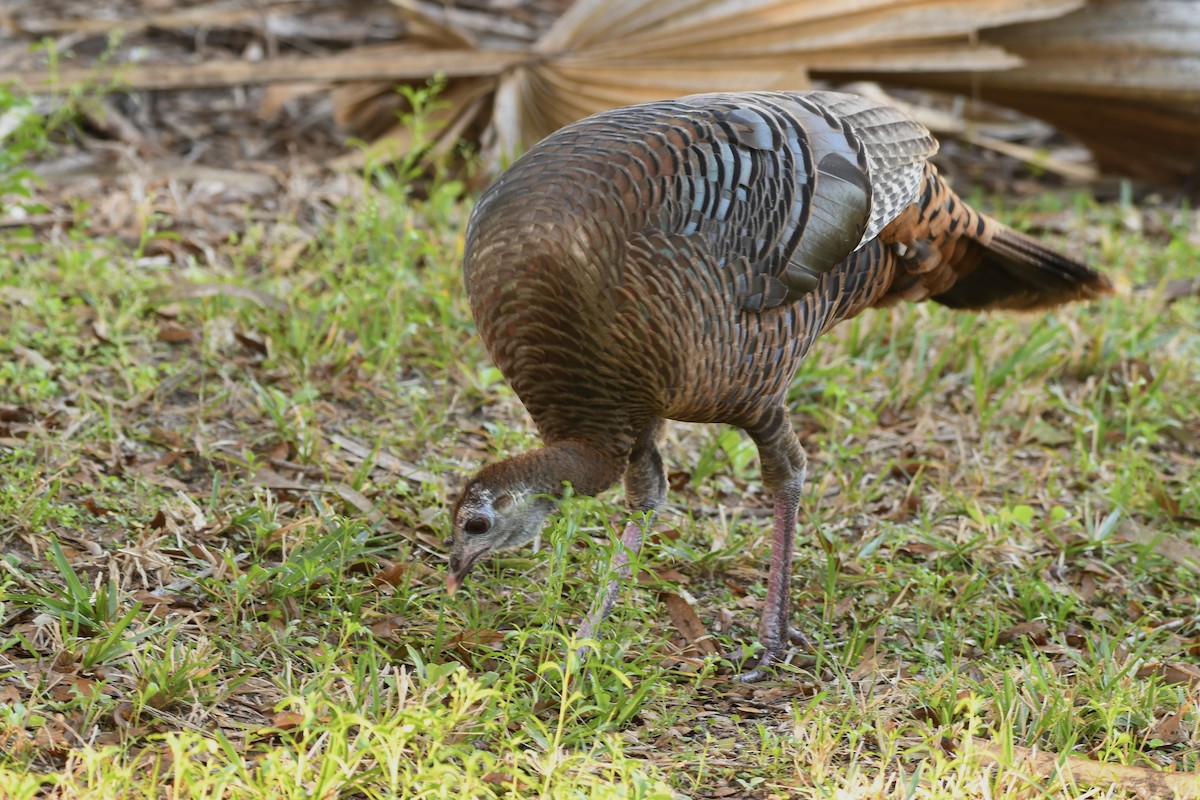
(590, 470)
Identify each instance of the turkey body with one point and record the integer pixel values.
(615, 270)
(677, 260)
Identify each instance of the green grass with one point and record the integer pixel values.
(998, 543)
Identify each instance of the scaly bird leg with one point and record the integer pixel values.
(783, 463)
(774, 630)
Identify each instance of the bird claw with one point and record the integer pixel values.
(773, 655)
(767, 662)
(798, 638)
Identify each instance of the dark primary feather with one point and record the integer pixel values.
(677, 259)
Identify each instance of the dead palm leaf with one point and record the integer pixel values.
(605, 53)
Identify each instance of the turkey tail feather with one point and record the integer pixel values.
(950, 253)
(1018, 273)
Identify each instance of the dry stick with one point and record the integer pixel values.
(381, 458)
(1033, 156)
(1140, 780)
(405, 65)
(207, 17)
(194, 291)
(35, 221)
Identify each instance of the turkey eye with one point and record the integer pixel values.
(477, 525)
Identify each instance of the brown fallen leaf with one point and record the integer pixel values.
(122, 716)
(55, 737)
(1168, 730)
(150, 473)
(150, 600)
(95, 508)
(286, 720)
(737, 588)
(1164, 544)
(151, 760)
(869, 664)
(474, 637)
(663, 535)
(917, 549)
(391, 575)
(683, 616)
(1141, 781)
(1166, 502)
(11, 413)
(251, 342)
(474, 642)
(752, 710)
(674, 576)
(286, 260)
(100, 331)
(174, 333)
(668, 574)
(1172, 672)
(279, 452)
(505, 779)
(388, 627)
(1179, 289)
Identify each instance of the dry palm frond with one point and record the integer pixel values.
(1122, 76)
(605, 53)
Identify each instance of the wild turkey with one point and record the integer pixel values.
(676, 260)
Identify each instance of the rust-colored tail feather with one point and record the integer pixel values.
(1018, 273)
(953, 254)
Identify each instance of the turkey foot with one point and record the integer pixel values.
(775, 654)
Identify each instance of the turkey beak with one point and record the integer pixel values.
(459, 567)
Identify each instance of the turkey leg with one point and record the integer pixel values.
(783, 467)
